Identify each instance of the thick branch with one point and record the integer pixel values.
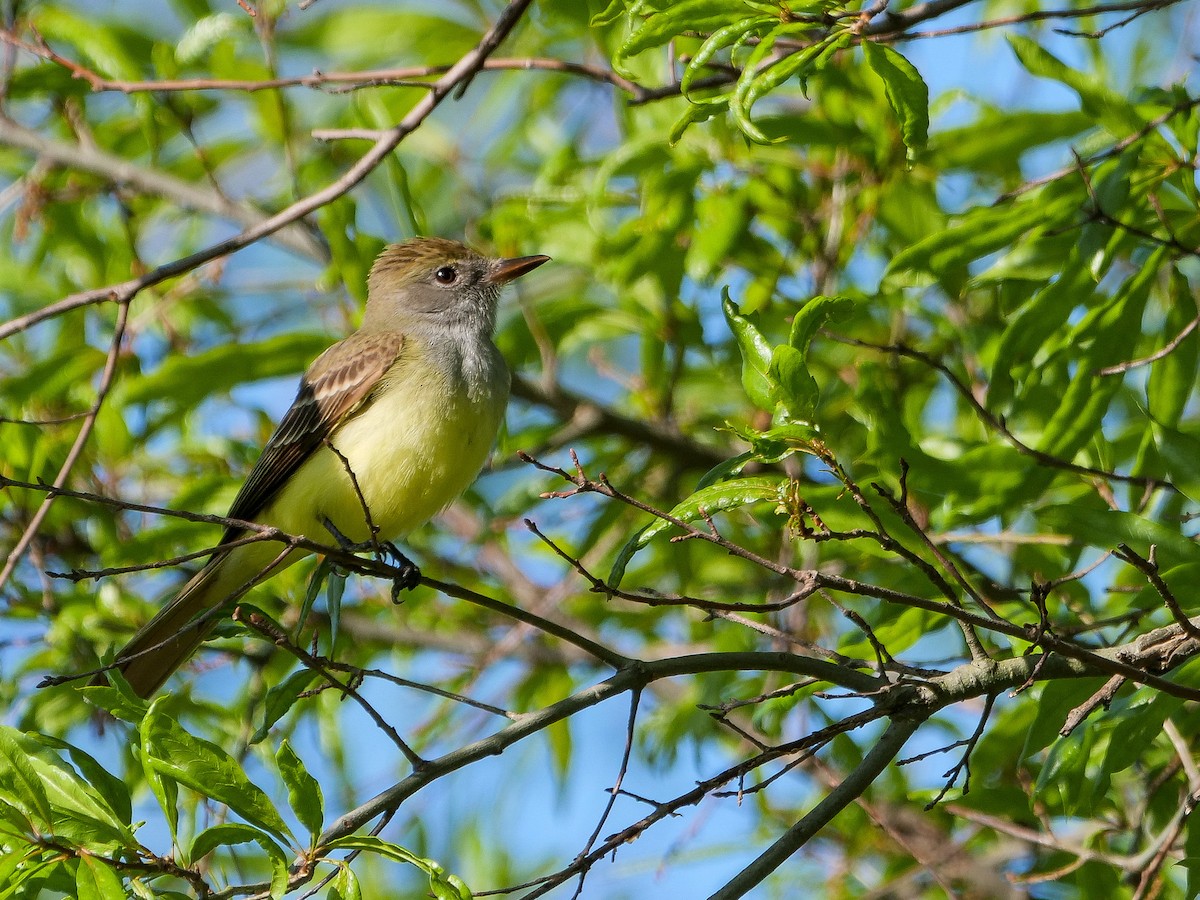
(884, 751)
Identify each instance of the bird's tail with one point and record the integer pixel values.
(164, 643)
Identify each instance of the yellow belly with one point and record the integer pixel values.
(413, 451)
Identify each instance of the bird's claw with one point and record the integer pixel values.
(409, 575)
(406, 579)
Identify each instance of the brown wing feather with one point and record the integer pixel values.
(335, 386)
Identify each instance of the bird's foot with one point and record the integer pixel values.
(409, 575)
(406, 579)
(341, 540)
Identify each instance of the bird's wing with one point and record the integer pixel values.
(336, 385)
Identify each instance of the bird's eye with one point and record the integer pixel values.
(446, 275)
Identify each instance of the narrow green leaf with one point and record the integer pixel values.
(207, 769)
(1106, 528)
(1034, 324)
(188, 379)
(756, 355)
(688, 15)
(280, 698)
(304, 793)
(1117, 113)
(371, 844)
(727, 469)
(315, 580)
(906, 91)
(718, 41)
(609, 14)
(79, 811)
(1173, 378)
(443, 885)
(1191, 859)
(99, 42)
(756, 82)
(1114, 329)
(1136, 729)
(335, 587)
(108, 787)
(981, 231)
(617, 574)
(1181, 453)
(696, 112)
(797, 390)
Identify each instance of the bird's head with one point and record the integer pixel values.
(439, 282)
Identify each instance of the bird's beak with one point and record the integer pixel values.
(505, 270)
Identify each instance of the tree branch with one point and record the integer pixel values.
(117, 170)
(859, 779)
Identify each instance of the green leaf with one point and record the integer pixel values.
(617, 573)
(755, 83)
(205, 768)
(107, 787)
(304, 793)
(335, 586)
(730, 35)
(1034, 324)
(1173, 378)
(813, 316)
(796, 389)
(75, 811)
(20, 783)
(315, 581)
(1181, 454)
(444, 886)
(996, 140)
(280, 698)
(907, 93)
(688, 15)
(720, 497)
(756, 355)
(230, 834)
(1077, 418)
(1136, 729)
(165, 790)
(96, 880)
(120, 701)
(101, 44)
(1117, 114)
(727, 469)
(695, 113)
(979, 232)
(1191, 859)
(1067, 776)
(610, 14)
(345, 886)
(1106, 528)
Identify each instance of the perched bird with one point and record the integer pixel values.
(411, 401)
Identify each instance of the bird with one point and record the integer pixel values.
(389, 426)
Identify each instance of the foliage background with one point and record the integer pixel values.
(948, 510)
